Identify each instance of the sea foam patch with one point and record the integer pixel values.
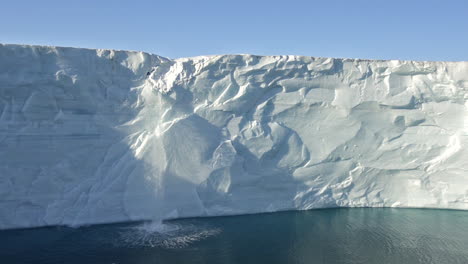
(164, 235)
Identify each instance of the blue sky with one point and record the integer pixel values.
(374, 29)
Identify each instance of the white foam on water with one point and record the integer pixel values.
(165, 235)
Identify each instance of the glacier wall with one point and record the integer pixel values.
(98, 136)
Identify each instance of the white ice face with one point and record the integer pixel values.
(98, 136)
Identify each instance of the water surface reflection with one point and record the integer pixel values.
(358, 235)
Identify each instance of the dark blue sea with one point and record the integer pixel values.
(358, 235)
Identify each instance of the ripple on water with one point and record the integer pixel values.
(164, 235)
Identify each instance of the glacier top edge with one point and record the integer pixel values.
(225, 55)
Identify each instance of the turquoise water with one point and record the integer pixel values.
(358, 235)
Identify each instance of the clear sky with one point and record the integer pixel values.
(374, 29)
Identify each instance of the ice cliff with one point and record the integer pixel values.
(98, 136)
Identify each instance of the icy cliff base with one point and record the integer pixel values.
(97, 136)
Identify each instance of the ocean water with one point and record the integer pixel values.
(357, 235)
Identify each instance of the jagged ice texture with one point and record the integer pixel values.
(99, 136)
